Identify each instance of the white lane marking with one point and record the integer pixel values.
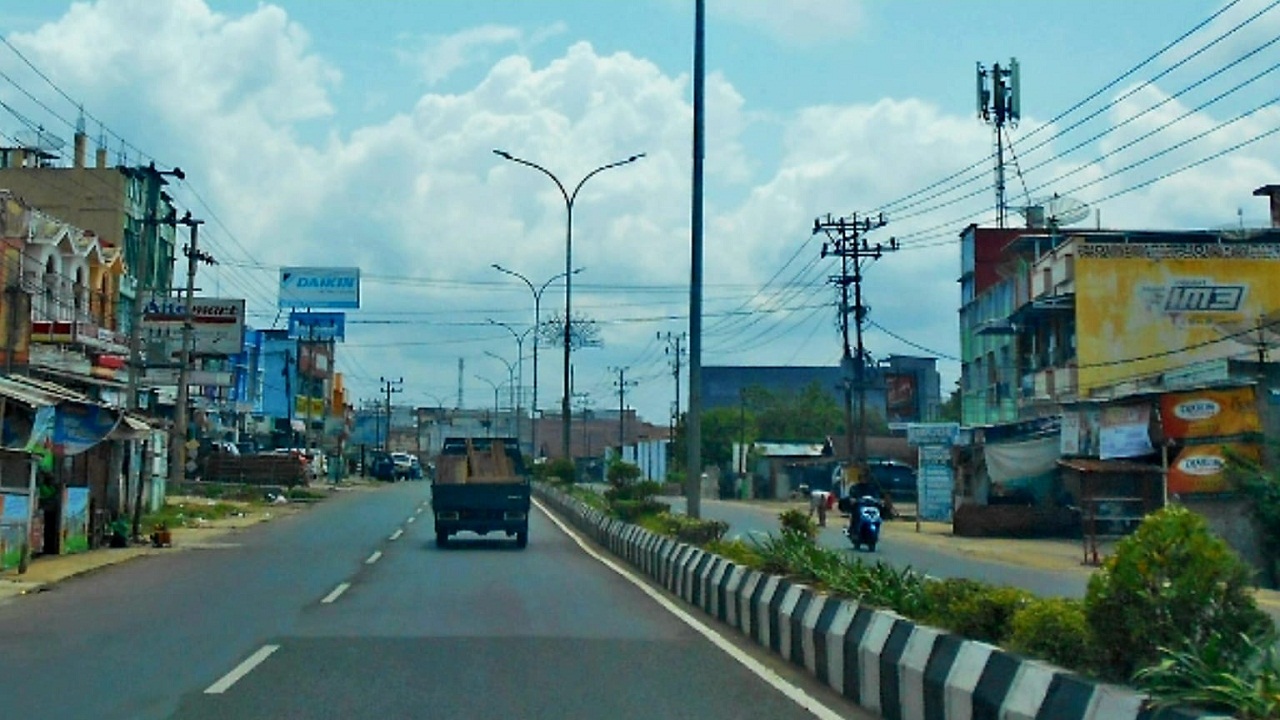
(241, 670)
(396, 535)
(412, 518)
(798, 696)
(374, 557)
(337, 592)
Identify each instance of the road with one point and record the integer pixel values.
(348, 610)
(747, 519)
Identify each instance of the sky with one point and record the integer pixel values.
(345, 133)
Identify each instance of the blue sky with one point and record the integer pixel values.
(332, 132)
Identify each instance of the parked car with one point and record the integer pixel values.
(407, 467)
(382, 467)
(896, 478)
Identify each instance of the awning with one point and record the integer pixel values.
(27, 394)
(1090, 465)
(131, 428)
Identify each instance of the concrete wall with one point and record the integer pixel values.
(881, 661)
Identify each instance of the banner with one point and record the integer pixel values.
(936, 483)
(1125, 432)
(1209, 413)
(1080, 432)
(1200, 469)
(75, 520)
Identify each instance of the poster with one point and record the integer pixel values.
(75, 520)
(1125, 432)
(15, 518)
(78, 427)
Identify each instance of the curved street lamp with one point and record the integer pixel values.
(569, 198)
(537, 321)
(495, 387)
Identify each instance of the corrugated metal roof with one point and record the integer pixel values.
(790, 449)
(26, 394)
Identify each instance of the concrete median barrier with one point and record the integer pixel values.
(883, 662)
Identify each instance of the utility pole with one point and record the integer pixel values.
(999, 102)
(388, 388)
(676, 352)
(144, 275)
(178, 444)
(622, 383)
(845, 239)
(693, 425)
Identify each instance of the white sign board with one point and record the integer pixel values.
(936, 483)
(319, 287)
(217, 327)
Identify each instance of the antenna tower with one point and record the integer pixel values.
(999, 103)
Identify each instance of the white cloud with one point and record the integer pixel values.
(442, 55)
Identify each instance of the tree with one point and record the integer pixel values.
(950, 410)
(807, 416)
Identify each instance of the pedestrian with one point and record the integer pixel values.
(819, 501)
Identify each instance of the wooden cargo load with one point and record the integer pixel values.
(470, 460)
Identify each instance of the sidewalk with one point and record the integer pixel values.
(45, 571)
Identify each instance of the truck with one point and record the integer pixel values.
(481, 486)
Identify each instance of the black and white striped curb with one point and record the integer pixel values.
(885, 663)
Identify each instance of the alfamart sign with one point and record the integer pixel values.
(319, 287)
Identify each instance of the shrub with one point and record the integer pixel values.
(737, 551)
(558, 470)
(942, 596)
(795, 522)
(988, 615)
(1052, 629)
(1244, 680)
(632, 510)
(621, 472)
(1171, 584)
(638, 491)
(690, 530)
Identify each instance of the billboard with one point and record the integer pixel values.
(1144, 309)
(900, 397)
(1209, 413)
(217, 327)
(319, 287)
(1200, 469)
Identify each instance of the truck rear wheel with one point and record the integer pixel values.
(442, 538)
(522, 538)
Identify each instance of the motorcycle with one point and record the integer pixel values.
(864, 523)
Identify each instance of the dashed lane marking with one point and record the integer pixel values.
(244, 668)
(374, 557)
(396, 535)
(337, 592)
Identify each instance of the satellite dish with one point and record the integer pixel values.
(43, 142)
(1054, 211)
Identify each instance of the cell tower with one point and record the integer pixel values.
(999, 103)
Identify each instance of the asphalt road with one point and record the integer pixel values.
(349, 611)
(746, 520)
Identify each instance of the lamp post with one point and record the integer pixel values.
(495, 387)
(518, 380)
(511, 388)
(569, 198)
(537, 321)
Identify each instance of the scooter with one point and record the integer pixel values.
(864, 523)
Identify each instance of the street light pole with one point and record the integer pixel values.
(537, 321)
(511, 387)
(518, 381)
(495, 387)
(569, 198)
